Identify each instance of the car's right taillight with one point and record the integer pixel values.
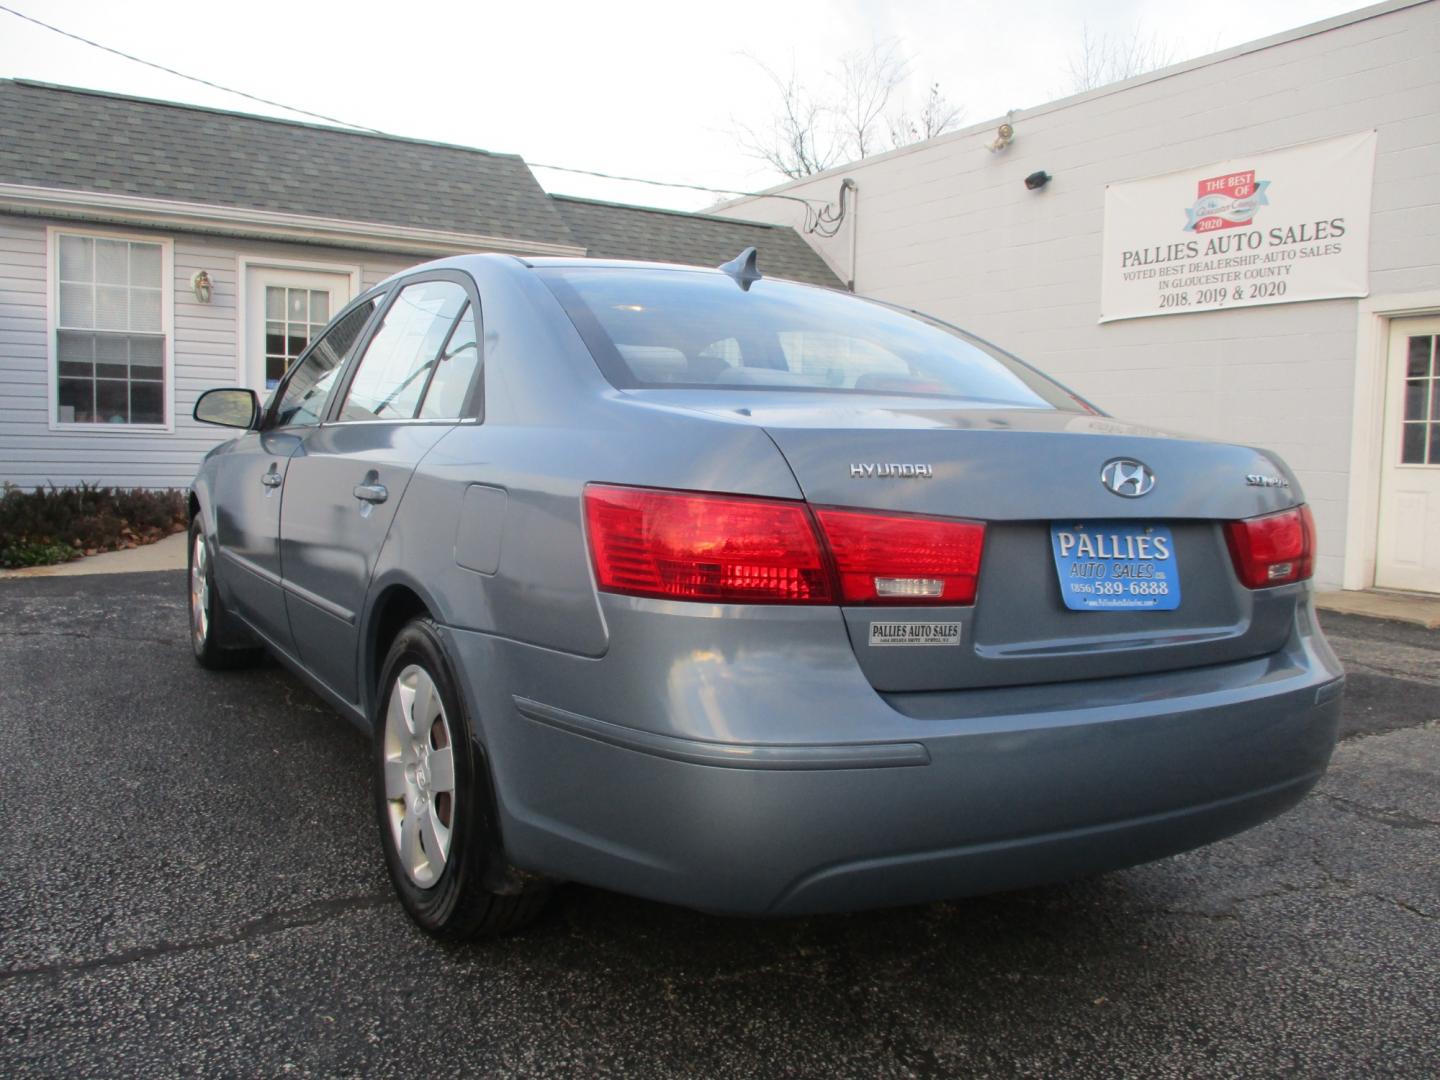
(742, 549)
(1275, 549)
(902, 558)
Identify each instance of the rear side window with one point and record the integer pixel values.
(397, 365)
(302, 401)
(673, 328)
(445, 400)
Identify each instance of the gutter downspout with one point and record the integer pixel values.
(854, 228)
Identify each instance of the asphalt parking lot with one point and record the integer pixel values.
(190, 882)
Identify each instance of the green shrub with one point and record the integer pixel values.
(50, 525)
(26, 553)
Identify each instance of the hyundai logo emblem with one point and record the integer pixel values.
(1127, 477)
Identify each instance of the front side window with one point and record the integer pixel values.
(302, 402)
(401, 357)
(109, 338)
(653, 329)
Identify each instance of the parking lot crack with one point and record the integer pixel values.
(1213, 916)
(1397, 819)
(1390, 671)
(304, 702)
(1402, 905)
(274, 922)
(88, 636)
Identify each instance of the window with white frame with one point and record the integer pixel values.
(110, 337)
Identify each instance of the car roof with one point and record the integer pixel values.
(560, 262)
(586, 263)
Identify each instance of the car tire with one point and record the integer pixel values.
(212, 628)
(435, 803)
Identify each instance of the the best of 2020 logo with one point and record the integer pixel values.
(1226, 202)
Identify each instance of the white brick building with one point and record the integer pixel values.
(947, 226)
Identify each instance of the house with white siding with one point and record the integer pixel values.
(150, 251)
(1245, 247)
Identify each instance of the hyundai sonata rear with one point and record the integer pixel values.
(989, 638)
(753, 597)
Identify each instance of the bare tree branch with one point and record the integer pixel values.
(867, 80)
(809, 133)
(1101, 60)
(800, 140)
(937, 116)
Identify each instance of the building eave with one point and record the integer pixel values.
(111, 208)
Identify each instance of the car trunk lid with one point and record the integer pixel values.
(1022, 471)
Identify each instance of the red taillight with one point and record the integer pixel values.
(742, 550)
(1273, 550)
(893, 559)
(721, 548)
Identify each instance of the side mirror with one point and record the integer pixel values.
(229, 407)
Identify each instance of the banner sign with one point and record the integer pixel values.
(1272, 228)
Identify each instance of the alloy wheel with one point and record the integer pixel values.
(419, 764)
(199, 591)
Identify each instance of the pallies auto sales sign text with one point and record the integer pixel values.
(1273, 228)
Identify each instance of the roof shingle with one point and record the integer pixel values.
(60, 137)
(615, 231)
(87, 140)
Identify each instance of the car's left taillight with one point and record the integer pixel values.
(682, 545)
(1275, 549)
(726, 549)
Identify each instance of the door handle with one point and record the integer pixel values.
(271, 479)
(371, 493)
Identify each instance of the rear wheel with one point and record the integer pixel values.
(434, 802)
(211, 626)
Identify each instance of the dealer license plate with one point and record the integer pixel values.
(1116, 566)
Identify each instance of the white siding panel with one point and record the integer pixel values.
(381, 268)
(203, 349)
(22, 336)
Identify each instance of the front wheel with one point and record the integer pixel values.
(209, 622)
(434, 803)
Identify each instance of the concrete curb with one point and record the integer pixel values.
(167, 554)
(1397, 607)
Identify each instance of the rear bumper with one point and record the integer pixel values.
(946, 795)
(1012, 863)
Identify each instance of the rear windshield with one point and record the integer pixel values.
(655, 329)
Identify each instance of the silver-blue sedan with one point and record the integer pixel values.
(752, 596)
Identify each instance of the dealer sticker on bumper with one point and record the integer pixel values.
(914, 633)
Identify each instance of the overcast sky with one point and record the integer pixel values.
(637, 87)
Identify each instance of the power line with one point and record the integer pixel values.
(182, 75)
(669, 184)
(821, 216)
(818, 215)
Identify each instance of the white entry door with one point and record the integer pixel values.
(1408, 551)
(285, 308)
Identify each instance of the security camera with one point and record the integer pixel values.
(1037, 180)
(1004, 136)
